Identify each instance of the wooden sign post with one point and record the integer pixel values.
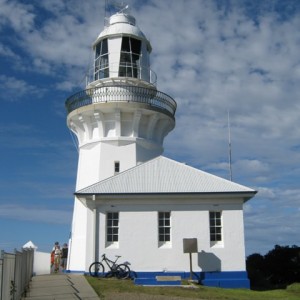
(190, 246)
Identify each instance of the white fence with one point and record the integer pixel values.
(16, 271)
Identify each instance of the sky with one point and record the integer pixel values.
(211, 56)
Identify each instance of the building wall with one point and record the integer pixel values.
(81, 240)
(138, 235)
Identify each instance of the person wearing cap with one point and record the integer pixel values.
(55, 245)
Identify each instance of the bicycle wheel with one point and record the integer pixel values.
(123, 272)
(96, 269)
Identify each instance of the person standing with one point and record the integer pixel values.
(53, 256)
(57, 254)
(64, 256)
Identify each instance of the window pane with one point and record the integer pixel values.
(104, 49)
(135, 46)
(98, 49)
(125, 44)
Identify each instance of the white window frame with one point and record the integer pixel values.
(216, 228)
(112, 228)
(164, 227)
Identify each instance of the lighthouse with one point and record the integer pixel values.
(120, 119)
(132, 201)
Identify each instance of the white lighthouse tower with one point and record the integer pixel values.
(120, 121)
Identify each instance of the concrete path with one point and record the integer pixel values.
(60, 286)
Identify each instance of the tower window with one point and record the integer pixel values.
(117, 167)
(164, 227)
(101, 60)
(215, 226)
(112, 227)
(130, 57)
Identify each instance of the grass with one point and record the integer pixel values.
(112, 288)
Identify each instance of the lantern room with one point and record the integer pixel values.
(121, 54)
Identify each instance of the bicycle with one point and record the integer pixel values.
(121, 271)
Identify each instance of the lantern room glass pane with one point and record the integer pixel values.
(130, 57)
(125, 44)
(135, 46)
(101, 60)
(104, 48)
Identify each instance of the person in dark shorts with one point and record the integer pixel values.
(64, 256)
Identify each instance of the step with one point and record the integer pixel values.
(159, 280)
(168, 278)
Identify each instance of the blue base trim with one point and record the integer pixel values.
(228, 279)
(237, 279)
(234, 279)
(75, 272)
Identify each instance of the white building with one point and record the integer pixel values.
(130, 200)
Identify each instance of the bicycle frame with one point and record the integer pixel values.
(110, 263)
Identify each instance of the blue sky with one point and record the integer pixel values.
(211, 56)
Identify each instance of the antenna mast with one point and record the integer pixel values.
(229, 146)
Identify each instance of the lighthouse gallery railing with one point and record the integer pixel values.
(122, 93)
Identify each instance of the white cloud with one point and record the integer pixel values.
(5, 51)
(35, 214)
(18, 15)
(13, 89)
